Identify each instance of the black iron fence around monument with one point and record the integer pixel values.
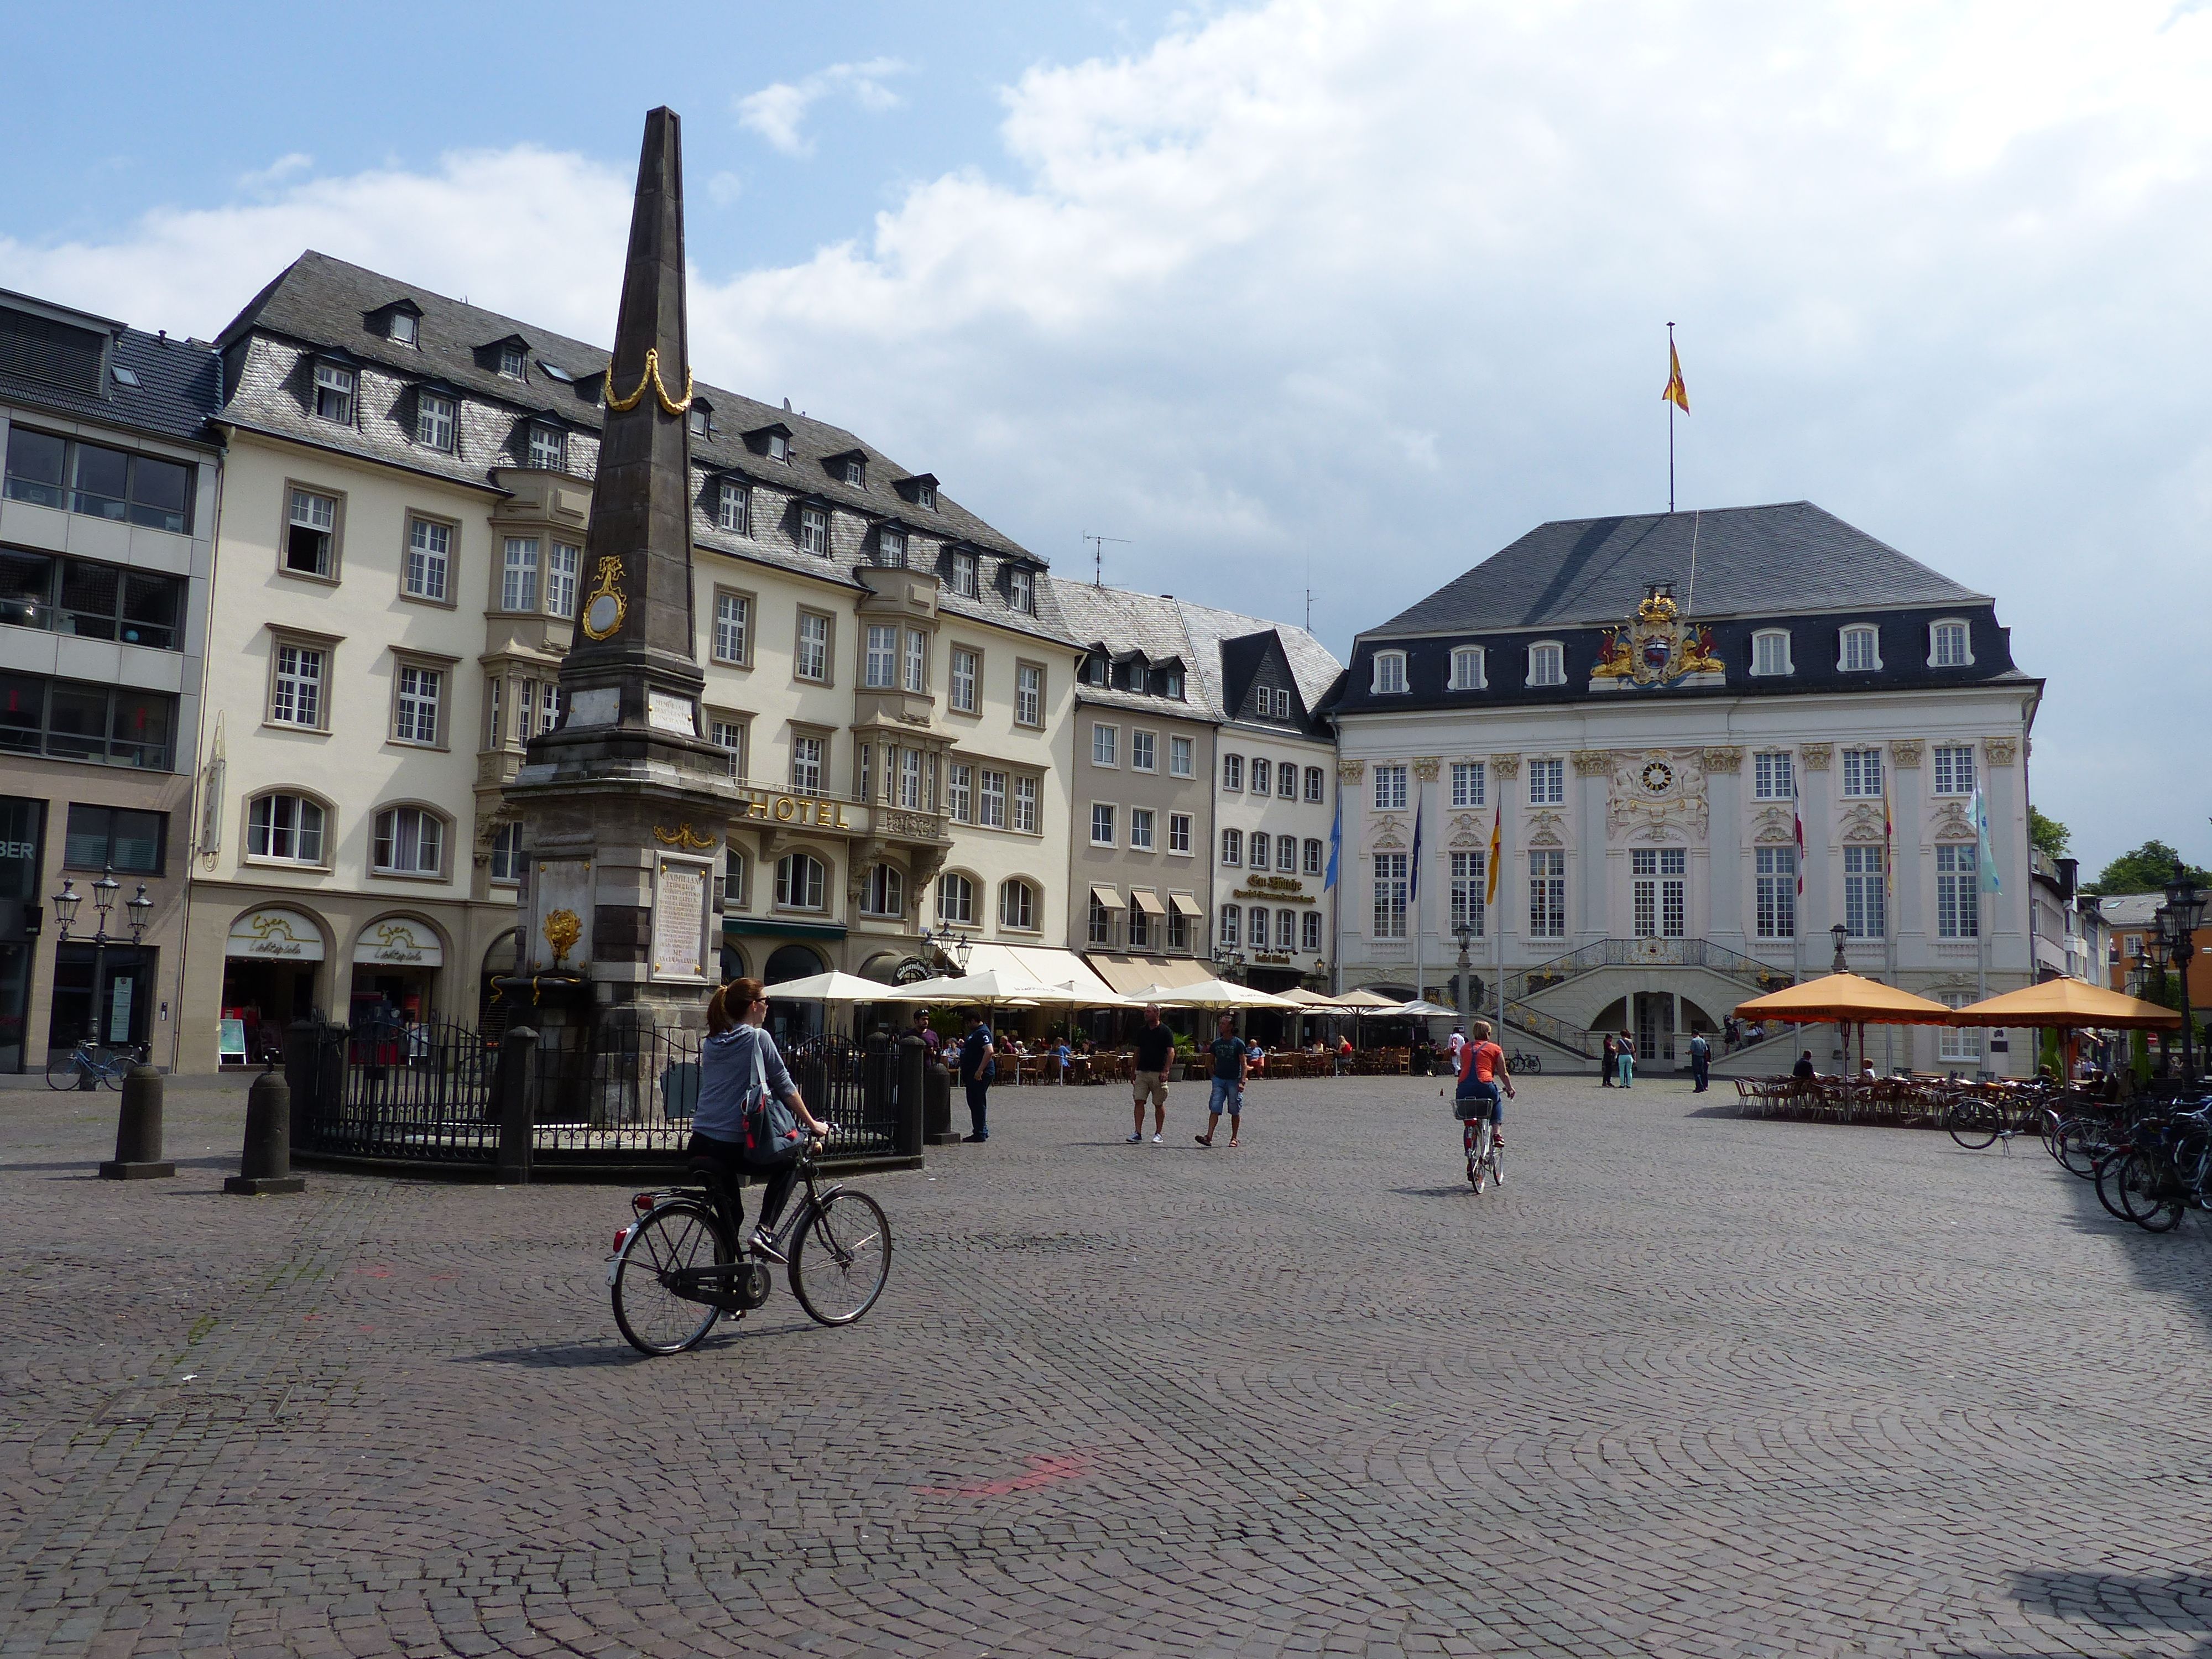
(586, 1101)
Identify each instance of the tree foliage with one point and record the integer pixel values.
(2146, 870)
(2046, 835)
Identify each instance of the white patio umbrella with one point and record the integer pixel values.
(842, 989)
(1215, 993)
(992, 987)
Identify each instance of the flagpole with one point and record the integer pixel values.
(1670, 426)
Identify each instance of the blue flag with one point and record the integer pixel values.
(1335, 841)
(1414, 887)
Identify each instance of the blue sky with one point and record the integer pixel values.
(1291, 292)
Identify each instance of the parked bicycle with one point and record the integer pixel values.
(1524, 1065)
(2159, 1168)
(71, 1069)
(676, 1270)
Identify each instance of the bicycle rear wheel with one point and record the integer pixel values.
(2107, 1179)
(653, 1318)
(1973, 1123)
(2149, 1192)
(1473, 1168)
(841, 1258)
(118, 1062)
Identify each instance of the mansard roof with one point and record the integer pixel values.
(1219, 651)
(1789, 558)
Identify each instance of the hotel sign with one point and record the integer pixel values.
(762, 805)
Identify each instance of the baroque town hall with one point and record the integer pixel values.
(1699, 744)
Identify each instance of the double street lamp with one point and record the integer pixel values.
(139, 910)
(952, 944)
(2179, 919)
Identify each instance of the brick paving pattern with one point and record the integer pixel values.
(1687, 1385)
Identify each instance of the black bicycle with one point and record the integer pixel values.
(677, 1270)
(1524, 1065)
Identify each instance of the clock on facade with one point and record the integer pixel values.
(1657, 776)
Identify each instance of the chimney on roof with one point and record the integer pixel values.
(162, 335)
(787, 405)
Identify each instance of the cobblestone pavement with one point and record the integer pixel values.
(1687, 1385)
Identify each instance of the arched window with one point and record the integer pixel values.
(1390, 673)
(411, 841)
(285, 828)
(956, 899)
(799, 882)
(1018, 906)
(1861, 652)
(882, 892)
(1466, 668)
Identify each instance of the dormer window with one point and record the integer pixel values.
(1547, 664)
(779, 447)
(733, 506)
(814, 530)
(1861, 651)
(963, 577)
(1021, 591)
(1949, 645)
(434, 418)
(1171, 683)
(1097, 670)
(548, 447)
(1770, 652)
(510, 360)
(403, 328)
(854, 470)
(1466, 668)
(925, 495)
(891, 547)
(1137, 677)
(334, 393)
(701, 419)
(1390, 673)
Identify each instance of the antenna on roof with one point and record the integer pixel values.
(1098, 555)
(1310, 590)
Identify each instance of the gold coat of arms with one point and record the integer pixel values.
(1658, 645)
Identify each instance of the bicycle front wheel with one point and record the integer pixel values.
(841, 1258)
(2149, 1192)
(112, 1068)
(61, 1069)
(1972, 1123)
(653, 1318)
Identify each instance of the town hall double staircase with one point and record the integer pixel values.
(1556, 1000)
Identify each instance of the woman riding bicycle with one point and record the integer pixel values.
(738, 1051)
(1482, 1071)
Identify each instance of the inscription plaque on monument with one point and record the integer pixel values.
(679, 920)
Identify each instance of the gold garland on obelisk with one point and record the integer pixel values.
(652, 378)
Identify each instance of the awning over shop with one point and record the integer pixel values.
(1043, 964)
(1185, 905)
(1147, 901)
(1109, 896)
(283, 935)
(1128, 975)
(399, 941)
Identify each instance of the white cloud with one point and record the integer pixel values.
(1382, 286)
(776, 110)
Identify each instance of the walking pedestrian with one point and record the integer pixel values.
(978, 1066)
(1229, 1070)
(1701, 1061)
(1626, 1047)
(1731, 1033)
(1612, 1062)
(1457, 1044)
(1155, 1055)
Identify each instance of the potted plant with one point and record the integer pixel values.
(1186, 1056)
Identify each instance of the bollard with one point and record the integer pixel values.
(913, 1090)
(937, 1128)
(265, 1166)
(513, 1086)
(138, 1130)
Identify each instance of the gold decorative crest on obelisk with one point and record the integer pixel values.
(604, 606)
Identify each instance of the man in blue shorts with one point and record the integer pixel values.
(1231, 1064)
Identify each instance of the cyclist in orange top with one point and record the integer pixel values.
(1482, 1074)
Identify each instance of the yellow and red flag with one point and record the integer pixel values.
(1497, 828)
(1676, 393)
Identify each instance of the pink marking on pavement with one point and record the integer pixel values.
(1044, 1469)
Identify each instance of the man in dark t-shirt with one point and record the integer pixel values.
(1155, 1053)
(1231, 1065)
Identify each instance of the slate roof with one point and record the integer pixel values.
(1789, 555)
(179, 387)
(322, 302)
(1194, 634)
(2129, 909)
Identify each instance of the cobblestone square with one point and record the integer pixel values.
(1687, 1385)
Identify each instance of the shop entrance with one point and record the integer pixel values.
(792, 1022)
(269, 967)
(396, 965)
(22, 841)
(126, 982)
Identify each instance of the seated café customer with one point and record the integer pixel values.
(1803, 1070)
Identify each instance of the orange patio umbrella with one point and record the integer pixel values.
(2069, 1005)
(1846, 1000)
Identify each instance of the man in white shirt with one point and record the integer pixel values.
(1457, 1045)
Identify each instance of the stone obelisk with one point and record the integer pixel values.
(624, 806)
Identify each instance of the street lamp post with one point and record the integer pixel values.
(2156, 953)
(138, 911)
(2184, 909)
(1839, 933)
(1463, 931)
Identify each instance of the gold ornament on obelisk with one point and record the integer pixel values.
(604, 606)
(562, 930)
